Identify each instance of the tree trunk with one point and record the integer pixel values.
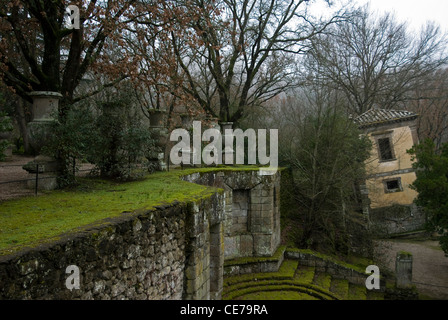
(20, 114)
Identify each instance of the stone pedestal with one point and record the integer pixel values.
(160, 135)
(44, 168)
(43, 172)
(403, 270)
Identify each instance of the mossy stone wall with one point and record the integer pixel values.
(256, 232)
(158, 254)
(175, 251)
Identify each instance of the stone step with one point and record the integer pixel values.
(357, 292)
(340, 288)
(304, 274)
(375, 295)
(322, 280)
(294, 277)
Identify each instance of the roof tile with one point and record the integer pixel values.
(381, 116)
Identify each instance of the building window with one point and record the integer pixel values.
(385, 149)
(393, 185)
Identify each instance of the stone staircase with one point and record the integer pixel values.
(294, 282)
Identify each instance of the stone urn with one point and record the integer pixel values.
(45, 106)
(225, 125)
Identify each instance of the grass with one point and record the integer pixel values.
(297, 282)
(248, 260)
(352, 262)
(29, 221)
(279, 295)
(289, 283)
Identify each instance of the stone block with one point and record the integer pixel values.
(246, 245)
(263, 245)
(231, 245)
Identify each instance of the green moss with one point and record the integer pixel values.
(357, 292)
(294, 282)
(304, 274)
(286, 271)
(277, 285)
(404, 254)
(249, 260)
(340, 288)
(30, 221)
(278, 295)
(322, 280)
(360, 264)
(280, 292)
(254, 286)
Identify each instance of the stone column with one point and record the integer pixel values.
(403, 270)
(45, 105)
(187, 124)
(160, 134)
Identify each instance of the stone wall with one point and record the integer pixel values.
(176, 251)
(159, 254)
(252, 211)
(397, 219)
(322, 264)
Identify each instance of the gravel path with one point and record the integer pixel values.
(12, 170)
(430, 266)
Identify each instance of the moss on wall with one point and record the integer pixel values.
(31, 221)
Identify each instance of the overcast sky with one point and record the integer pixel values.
(415, 12)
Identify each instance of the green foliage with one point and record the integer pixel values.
(120, 142)
(5, 126)
(70, 141)
(109, 136)
(326, 162)
(432, 186)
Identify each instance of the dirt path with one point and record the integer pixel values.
(430, 266)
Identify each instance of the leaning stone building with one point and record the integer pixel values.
(389, 168)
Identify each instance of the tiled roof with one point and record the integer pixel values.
(380, 116)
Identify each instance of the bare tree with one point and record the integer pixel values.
(326, 154)
(246, 53)
(375, 61)
(431, 104)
